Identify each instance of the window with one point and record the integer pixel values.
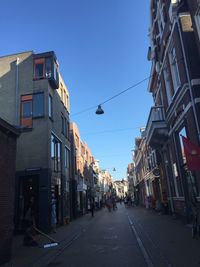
(160, 9)
(26, 111)
(38, 105)
(46, 68)
(55, 72)
(174, 68)
(39, 68)
(67, 157)
(50, 107)
(67, 103)
(32, 106)
(61, 93)
(67, 129)
(168, 85)
(55, 153)
(65, 99)
(48, 71)
(65, 126)
(197, 20)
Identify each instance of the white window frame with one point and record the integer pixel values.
(174, 68)
(168, 86)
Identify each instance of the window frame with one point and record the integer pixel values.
(37, 61)
(56, 147)
(174, 68)
(50, 106)
(43, 105)
(168, 86)
(197, 20)
(26, 121)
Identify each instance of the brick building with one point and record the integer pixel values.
(83, 173)
(174, 84)
(160, 164)
(8, 136)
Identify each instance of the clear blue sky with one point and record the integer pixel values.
(101, 46)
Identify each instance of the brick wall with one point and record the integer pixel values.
(7, 178)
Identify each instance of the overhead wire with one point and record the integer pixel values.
(122, 92)
(112, 97)
(111, 131)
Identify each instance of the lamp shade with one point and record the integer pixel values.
(99, 110)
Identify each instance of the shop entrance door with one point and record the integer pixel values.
(29, 188)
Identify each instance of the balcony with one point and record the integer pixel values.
(156, 129)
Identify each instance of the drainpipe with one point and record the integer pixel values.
(188, 78)
(17, 92)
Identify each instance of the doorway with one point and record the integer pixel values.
(28, 188)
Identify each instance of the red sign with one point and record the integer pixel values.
(192, 154)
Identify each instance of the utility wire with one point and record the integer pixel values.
(109, 99)
(122, 92)
(111, 131)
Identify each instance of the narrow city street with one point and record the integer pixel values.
(128, 236)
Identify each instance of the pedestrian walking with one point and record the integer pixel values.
(109, 204)
(29, 224)
(92, 206)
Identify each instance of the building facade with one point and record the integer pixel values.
(84, 176)
(36, 100)
(8, 136)
(174, 84)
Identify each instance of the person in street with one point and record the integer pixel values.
(29, 222)
(108, 204)
(92, 206)
(53, 214)
(114, 205)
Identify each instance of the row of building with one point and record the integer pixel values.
(160, 175)
(51, 159)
